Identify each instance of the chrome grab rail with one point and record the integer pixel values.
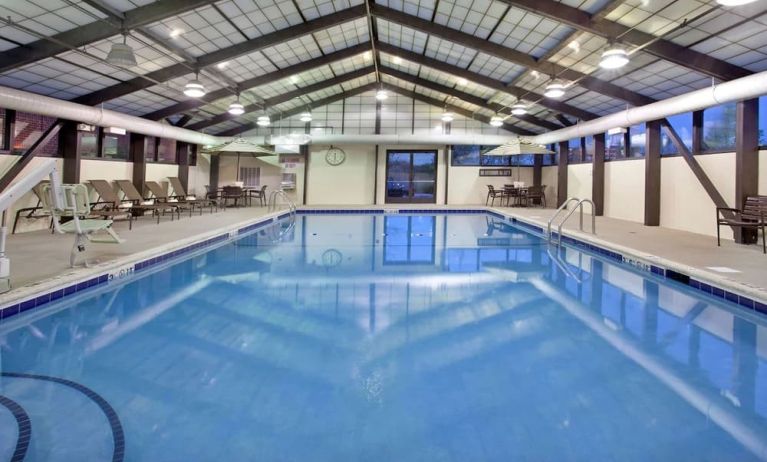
(579, 207)
(272, 204)
(559, 210)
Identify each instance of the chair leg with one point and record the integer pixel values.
(718, 238)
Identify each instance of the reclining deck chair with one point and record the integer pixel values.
(161, 196)
(180, 193)
(33, 213)
(140, 203)
(73, 203)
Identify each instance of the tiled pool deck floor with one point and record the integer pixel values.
(39, 256)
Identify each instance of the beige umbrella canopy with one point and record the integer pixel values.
(518, 147)
(240, 145)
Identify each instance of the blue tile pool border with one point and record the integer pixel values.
(73, 288)
(70, 289)
(659, 271)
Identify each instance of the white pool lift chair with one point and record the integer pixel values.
(75, 206)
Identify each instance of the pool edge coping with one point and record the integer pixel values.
(40, 294)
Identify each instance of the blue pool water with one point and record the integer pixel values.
(387, 338)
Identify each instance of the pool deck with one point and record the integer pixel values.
(39, 258)
(697, 254)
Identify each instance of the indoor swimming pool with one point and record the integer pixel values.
(386, 337)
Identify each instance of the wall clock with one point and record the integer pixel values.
(335, 156)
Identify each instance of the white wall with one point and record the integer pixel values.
(549, 178)
(350, 183)
(199, 176)
(579, 178)
(624, 190)
(684, 203)
(466, 187)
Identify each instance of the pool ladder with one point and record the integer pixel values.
(272, 206)
(578, 206)
(272, 203)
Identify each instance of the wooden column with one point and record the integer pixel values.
(562, 173)
(537, 170)
(138, 157)
(697, 132)
(68, 150)
(598, 175)
(215, 162)
(746, 160)
(306, 153)
(182, 157)
(652, 174)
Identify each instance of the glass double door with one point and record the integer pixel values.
(411, 177)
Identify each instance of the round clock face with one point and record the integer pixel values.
(335, 156)
(332, 257)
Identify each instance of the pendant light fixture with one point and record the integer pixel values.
(554, 89)
(194, 88)
(734, 2)
(236, 108)
(519, 109)
(381, 94)
(614, 57)
(263, 121)
(121, 54)
(306, 117)
(447, 116)
(496, 121)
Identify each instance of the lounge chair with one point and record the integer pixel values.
(73, 203)
(140, 203)
(109, 206)
(161, 197)
(753, 215)
(35, 212)
(180, 194)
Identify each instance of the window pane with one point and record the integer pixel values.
(574, 151)
(638, 140)
(614, 149)
(763, 121)
(166, 151)
(28, 129)
(719, 128)
(588, 155)
(88, 144)
(524, 160)
(150, 149)
(682, 124)
(115, 147)
(465, 155)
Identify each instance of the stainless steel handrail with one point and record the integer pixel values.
(559, 210)
(579, 206)
(272, 204)
(562, 264)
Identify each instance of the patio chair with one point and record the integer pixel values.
(753, 215)
(234, 193)
(160, 196)
(180, 193)
(74, 204)
(535, 194)
(493, 193)
(259, 194)
(139, 202)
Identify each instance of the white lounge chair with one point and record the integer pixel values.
(75, 206)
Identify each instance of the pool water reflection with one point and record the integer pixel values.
(397, 337)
